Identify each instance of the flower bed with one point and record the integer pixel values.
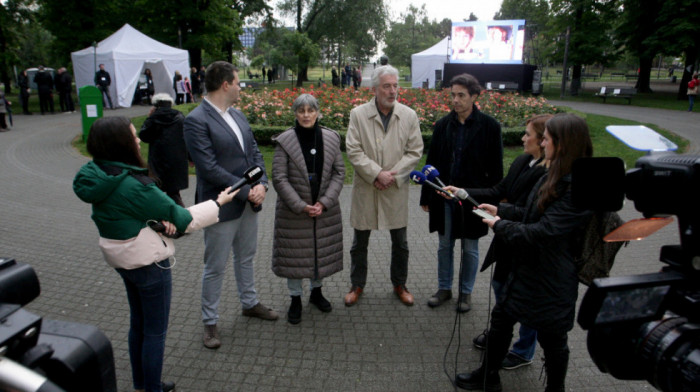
(272, 107)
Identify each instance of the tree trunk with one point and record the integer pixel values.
(195, 57)
(4, 66)
(575, 79)
(643, 78)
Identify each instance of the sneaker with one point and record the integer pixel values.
(480, 341)
(439, 298)
(514, 361)
(261, 311)
(211, 337)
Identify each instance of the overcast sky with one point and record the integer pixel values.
(455, 10)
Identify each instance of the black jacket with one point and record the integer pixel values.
(167, 153)
(102, 78)
(541, 291)
(44, 81)
(515, 189)
(481, 167)
(64, 82)
(23, 82)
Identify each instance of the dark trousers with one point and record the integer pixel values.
(46, 101)
(554, 345)
(24, 97)
(149, 291)
(66, 101)
(105, 93)
(399, 257)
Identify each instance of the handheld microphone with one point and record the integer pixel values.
(419, 178)
(250, 176)
(432, 173)
(464, 195)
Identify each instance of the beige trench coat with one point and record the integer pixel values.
(370, 151)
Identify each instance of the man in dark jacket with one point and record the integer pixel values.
(167, 153)
(44, 83)
(466, 149)
(103, 81)
(24, 90)
(64, 83)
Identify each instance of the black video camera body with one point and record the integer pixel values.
(47, 355)
(648, 326)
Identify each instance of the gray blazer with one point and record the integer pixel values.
(218, 158)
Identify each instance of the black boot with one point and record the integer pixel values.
(317, 299)
(294, 313)
(556, 364)
(477, 381)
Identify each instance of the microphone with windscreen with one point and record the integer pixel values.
(250, 176)
(419, 178)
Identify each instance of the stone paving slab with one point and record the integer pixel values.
(377, 345)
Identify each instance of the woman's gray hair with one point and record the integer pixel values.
(381, 71)
(305, 100)
(161, 97)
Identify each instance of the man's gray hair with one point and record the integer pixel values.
(305, 100)
(161, 97)
(381, 71)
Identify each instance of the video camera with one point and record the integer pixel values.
(47, 355)
(647, 326)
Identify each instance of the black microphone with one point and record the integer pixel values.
(419, 178)
(250, 176)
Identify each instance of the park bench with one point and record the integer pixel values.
(250, 85)
(253, 75)
(502, 86)
(631, 76)
(617, 74)
(589, 76)
(617, 92)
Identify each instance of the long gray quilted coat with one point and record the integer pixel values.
(302, 246)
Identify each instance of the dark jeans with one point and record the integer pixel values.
(66, 101)
(46, 101)
(105, 93)
(399, 257)
(554, 345)
(149, 290)
(24, 97)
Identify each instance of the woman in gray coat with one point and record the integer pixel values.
(308, 173)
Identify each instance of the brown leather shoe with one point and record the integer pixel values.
(404, 295)
(261, 311)
(211, 337)
(352, 297)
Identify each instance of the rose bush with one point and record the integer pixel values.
(273, 107)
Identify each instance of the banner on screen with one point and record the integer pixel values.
(496, 42)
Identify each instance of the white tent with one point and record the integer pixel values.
(424, 64)
(126, 54)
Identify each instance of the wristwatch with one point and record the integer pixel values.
(264, 184)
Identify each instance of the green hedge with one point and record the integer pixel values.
(265, 133)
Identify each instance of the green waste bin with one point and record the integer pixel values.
(90, 107)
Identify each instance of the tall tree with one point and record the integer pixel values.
(591, 23)
(354, 26)
(413, 33)
(668, 28)
(13, 15)
(538, 47)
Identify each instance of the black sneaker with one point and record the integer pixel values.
(439, 298)
(514, 361)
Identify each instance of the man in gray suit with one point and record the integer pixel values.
(221, 144)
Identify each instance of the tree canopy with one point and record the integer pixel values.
(413, 33)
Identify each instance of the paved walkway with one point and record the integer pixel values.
(378, 345)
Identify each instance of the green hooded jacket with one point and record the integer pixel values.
(121, 204)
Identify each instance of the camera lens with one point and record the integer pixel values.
(670, 351)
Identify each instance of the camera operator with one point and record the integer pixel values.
(124, 199)
(542, 288)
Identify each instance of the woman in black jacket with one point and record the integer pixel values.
(167, 153)
(542, 288)
(522, 175)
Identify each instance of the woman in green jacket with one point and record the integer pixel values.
(124, 201)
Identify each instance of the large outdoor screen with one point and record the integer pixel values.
(495, 42)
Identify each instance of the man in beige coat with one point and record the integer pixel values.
(383, 145)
